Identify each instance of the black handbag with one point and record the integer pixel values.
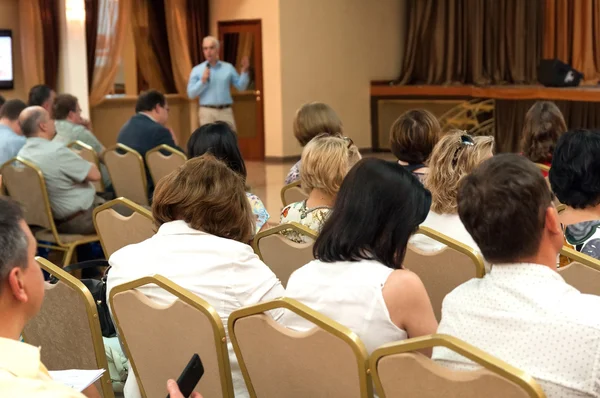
(98, 289)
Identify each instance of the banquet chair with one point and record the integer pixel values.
(127, 173)
(444, 270)
(281, 254)
(399, 371)
(328, 360)
(67, 328)
(583, 273)
(25, 184)
(292, 193)
(117, 230)
(161, 164)
(189, 325)
(88, 153)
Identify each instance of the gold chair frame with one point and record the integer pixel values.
(125, 148)
(167, 148)
(543, 167)
(99, 185)
(189, 298)
(474, 255)
(495, 365)
(124, 202)
(286, 188)
(320, 320)
(294, 226)
(67, 248)
(484, 128)
(465, 113)
(92, 315)
(584, 259)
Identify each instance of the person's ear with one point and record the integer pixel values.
(17, 285)
(553, 221)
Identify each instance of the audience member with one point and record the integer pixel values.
(42, 95)
(220, 140)
(68, 177)
(146, 130)
(11, 138)
(544, 123)
(70, 127)
(325, 162)
(575, 180)
(22, 373)
(357, 278)
(412, 139)
(312, 119)
(204, 221)
(454, 157)
(522, 312)
(2, 101)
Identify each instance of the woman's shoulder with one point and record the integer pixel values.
(403, 284)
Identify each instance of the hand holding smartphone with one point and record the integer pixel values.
(190, 376)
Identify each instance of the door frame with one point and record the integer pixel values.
(254, 26)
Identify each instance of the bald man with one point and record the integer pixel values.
(211, 81)
(68, 176)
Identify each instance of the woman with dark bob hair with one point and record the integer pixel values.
(219, 139)
(575, 179)
(204, 221)
(357, 278)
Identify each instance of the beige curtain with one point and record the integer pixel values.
(32, 42)
(113, 15)
(179, 46)
(244, 49)
(146, 57)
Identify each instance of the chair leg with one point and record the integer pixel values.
(68, 255)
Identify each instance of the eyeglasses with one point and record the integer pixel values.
(350, 142)
(465, 141)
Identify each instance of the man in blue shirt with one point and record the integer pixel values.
(211, 81)
(11, 139)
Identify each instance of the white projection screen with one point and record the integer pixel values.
(7, 76)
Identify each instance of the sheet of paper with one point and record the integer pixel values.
(77, 379)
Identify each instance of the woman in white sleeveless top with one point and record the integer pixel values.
(357, 279)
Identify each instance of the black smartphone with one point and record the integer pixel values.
(190, 376)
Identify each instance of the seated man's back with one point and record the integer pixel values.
(64, 173)
(146, 130)
(529, 317)
(522, 311)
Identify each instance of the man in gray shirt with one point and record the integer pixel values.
(68, 177)
(11, 140)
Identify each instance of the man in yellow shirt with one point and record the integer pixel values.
(22, 374)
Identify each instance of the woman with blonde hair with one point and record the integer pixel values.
(412, 138)
(204, 221)
(544, 124)
(325, 162)
(312, 119)
(455, 156)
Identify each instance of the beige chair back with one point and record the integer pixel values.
(281, 254)
(444, 270)
(583, 273)
(127, 173)
(117, 230)
(88, 153)
(67, 328)
(25, 184)
(328, 360)
(292, 193)
(398, 371)
(160, 164)
(160, 340)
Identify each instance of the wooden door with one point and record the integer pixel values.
(241, 39)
